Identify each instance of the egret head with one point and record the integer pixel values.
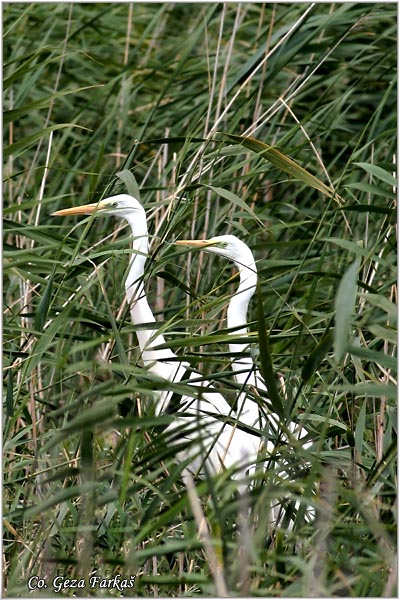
(228, 246)
(122, 205)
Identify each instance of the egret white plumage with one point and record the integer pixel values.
(162, 362)
(246, 373)
(218, 444)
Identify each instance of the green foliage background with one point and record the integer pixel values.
(275, 122)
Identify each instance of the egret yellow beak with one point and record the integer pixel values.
(85, 209)
(194, 243)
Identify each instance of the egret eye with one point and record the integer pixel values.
(223, 244)
(114, 204)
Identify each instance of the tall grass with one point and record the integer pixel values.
(275, 122)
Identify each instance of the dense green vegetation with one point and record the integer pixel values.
(275, 122)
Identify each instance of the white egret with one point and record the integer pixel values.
(218, 444)
(162, 362)
(246, 373)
